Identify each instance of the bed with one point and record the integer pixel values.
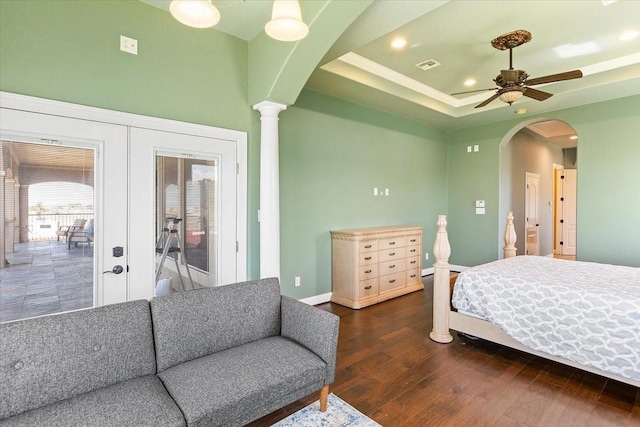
(582, 314)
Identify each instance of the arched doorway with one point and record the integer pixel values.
(533, 159)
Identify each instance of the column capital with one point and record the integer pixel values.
(269, 108)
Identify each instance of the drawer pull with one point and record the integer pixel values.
(412, 240)
(367, 287)
(392, 253)
(413, 275)
(392, 243)
(412, 250)
(392, 281)
(412, 262)
(392, 266)
(367, 271)
(367, 247)
(367, 258)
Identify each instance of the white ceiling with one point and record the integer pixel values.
(363, 68)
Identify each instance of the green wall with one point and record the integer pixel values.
(608, 184)
(332, 154)
(70, 51)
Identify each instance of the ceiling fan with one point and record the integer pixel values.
(513, 84)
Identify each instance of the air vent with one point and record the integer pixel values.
(428, 64)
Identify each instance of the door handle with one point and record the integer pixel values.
(117, 269)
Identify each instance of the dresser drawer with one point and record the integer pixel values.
(413, 276)
(392, 242)
(368, 246)
(367, 288)
(390, 267)
(390, 254)
(413, 262)
(392, 281)
(412, 240)
(368, 272)
(368, 258)
(413, 250)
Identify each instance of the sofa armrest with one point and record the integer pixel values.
(315, 329)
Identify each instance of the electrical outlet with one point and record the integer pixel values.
(426, 256)
(296, 281)
(129, 45)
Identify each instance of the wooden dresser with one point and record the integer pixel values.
(371, 265)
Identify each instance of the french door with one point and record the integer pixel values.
(191, 179)
(140, 171)
(105, 147)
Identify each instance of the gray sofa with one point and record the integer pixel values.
(223, 356)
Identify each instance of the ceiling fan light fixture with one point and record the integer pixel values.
(195, 13)
(511, 96)
(286, 22)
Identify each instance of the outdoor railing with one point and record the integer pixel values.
(44, 226)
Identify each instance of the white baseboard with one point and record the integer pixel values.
(318, 299)
(427, 271)
(459, 268)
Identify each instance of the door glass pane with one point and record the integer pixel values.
(46, 232)
(186, 235)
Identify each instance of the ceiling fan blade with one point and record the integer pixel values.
(567, 75)
(536, 94)
(482, 104)
(472, 91)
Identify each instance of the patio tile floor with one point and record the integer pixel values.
(45, 277)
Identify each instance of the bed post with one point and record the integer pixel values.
(441, 289)
(509, 237)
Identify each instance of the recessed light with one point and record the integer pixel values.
(469, 82)
(398, 43)
(629, 35)
(573, 137)
(521, 111)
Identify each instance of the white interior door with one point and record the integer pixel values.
(532, 213)
(107, 147)
(193, 178)
(568, 219)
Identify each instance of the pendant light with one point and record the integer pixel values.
(195, 13)
(286, 22)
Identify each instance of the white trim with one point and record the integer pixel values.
(458, 268)
(318, 299)
(63, 109)
(427, 271)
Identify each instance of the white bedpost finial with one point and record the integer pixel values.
(510, 237)
(441, 247)
(441, 289)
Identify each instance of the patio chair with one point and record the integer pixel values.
(84, 235)
(64, 230)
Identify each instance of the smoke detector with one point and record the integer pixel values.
(428, 64)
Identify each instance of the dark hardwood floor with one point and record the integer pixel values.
(390, 370)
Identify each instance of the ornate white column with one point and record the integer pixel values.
(269, 215)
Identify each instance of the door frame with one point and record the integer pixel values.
(75, 111)
(527, 222)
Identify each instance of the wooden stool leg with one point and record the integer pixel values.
(324, 395)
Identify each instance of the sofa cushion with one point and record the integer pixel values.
(188, 325)
(138, 402)
(57, 357)
(225, 388)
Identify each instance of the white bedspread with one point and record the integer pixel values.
(585, 312)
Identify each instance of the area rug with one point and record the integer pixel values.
(338, 414)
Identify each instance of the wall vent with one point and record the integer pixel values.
(428, 64)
